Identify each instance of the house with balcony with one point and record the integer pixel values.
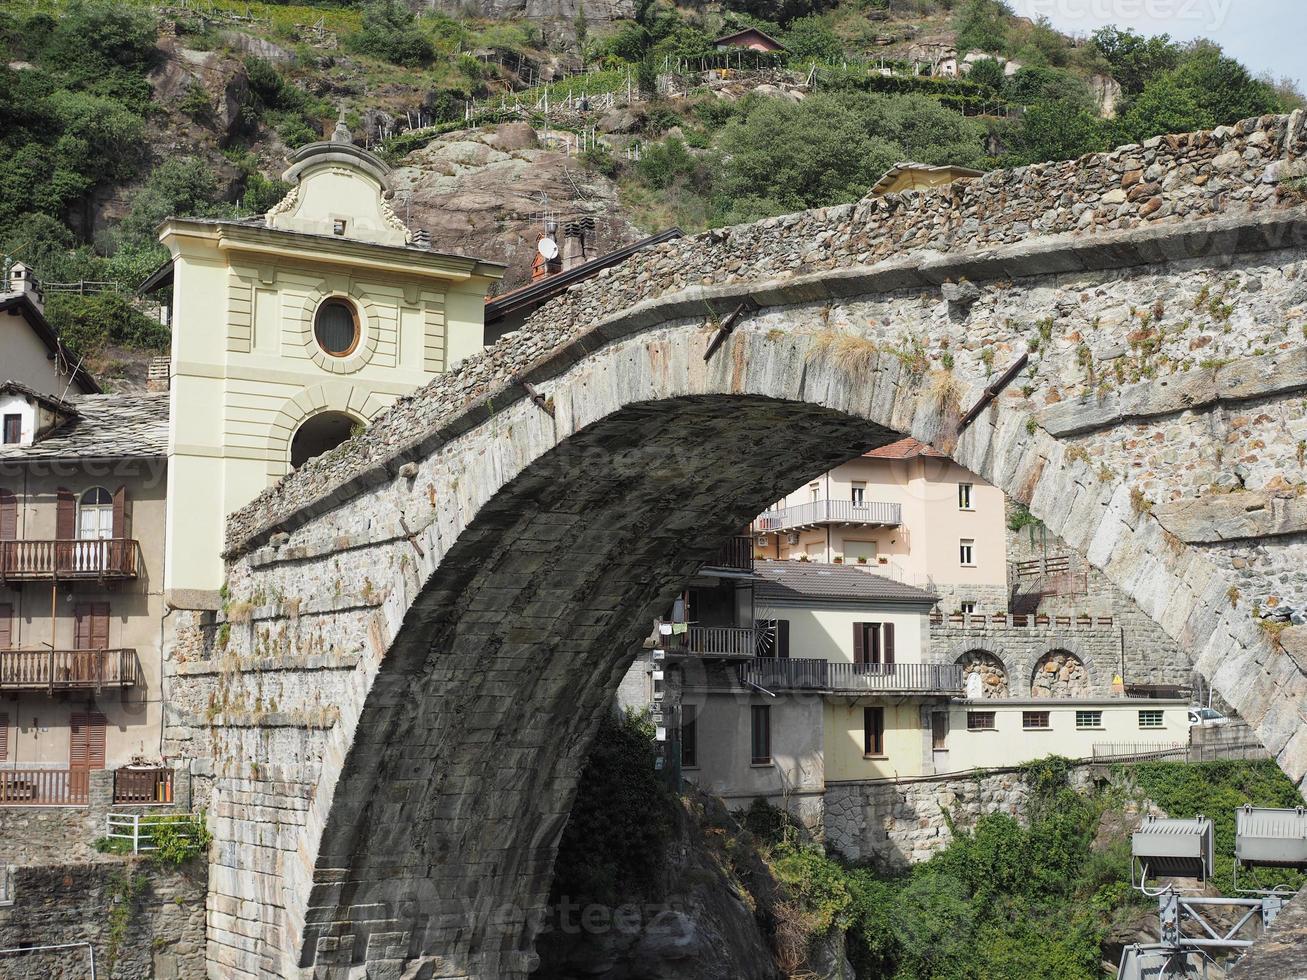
(906, 511)
(82, 504)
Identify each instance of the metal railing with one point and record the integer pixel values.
(1021, 621)
(142, 786)
(139, 828)
(44, 787)
(737, 554)
(828, 512)
(714, 641)
(785, 673)
(68, 558)
(66, 670)
(1139, 751)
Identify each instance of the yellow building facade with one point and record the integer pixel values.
(292, 331)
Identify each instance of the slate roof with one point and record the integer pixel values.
(107, 427)
(801, 580)
(49, 401)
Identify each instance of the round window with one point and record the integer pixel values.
(336, 327)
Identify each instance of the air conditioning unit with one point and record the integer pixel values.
(760, 540)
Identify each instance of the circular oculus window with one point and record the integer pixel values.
(336, 327)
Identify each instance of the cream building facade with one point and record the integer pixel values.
(905, 511)
(291, 332)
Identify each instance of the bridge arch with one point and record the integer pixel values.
(470, 579)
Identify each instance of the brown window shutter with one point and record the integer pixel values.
(4, 736)
(122, 514)
(82, 626)
(8, 516)
(859, 654)
(889, 642)
(86, 741)
(65, 520)
(91, 625)
(782, 637)
(6, 625)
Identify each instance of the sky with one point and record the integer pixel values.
(1266, 35)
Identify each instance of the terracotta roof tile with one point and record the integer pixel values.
(905, 448)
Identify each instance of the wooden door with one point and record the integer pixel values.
(86, 743)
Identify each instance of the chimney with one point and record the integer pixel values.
(21, 281)
(157, 378)
(574, 241)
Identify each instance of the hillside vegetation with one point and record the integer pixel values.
(114, 115)
(1045, 897)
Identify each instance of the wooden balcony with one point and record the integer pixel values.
(823, 676)
(33, 560)
(44, 787)
(714, 642)
(67, 670)
(142, 786)
(877, 513)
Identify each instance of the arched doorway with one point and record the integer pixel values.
(1059, 674)
(319, 434)
(990, 673)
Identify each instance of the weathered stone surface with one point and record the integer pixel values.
(488, 603)
(1233, 516)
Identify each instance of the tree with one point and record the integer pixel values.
(1135, 60)
(180, 186)
(1164, 106)
(1056, 131)
(1223, 89)
(982, 24)
(812, 38)
(987, 72)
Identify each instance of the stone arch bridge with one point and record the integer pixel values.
(424, 625)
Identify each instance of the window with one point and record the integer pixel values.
(689, 736)
(1151, 718)
(1089, 719)
(968, 608)
(13, 429)
(95, 515)
(964, 496)
(814, 492)
(338, 226)
(336, 327)
(760, 732)
(873, 731)
(858, 494)
(873, 643)
(939, 731)
(966, 551)
(980, 721)
(1035, 720)
(4, 737)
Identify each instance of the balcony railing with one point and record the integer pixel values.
(714, 641)
(829, 512)
(793, 674)
(44, 787)
(1082, 621)
(28, 560)
(736, 554)
(142, 786)
(67, 670)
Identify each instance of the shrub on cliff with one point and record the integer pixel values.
(389, 31)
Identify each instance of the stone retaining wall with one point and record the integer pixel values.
(159, 937)
(897, 824)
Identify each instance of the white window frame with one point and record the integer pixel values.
(967, 607)
(1154, 714)
(967, 552)
(858, 493)
(1089, 720)
(964, 496)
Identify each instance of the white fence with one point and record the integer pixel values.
(139, 828)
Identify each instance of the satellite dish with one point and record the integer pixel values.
(548, 248)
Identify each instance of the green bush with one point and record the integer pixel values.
(389, 32)
(811, 38)
(88, 324)
(667, 162)
(178, 840)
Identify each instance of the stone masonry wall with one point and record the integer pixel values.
(894, 825)
(1022, 652)
(159, 936)
(1230, 170)
(38, 835)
